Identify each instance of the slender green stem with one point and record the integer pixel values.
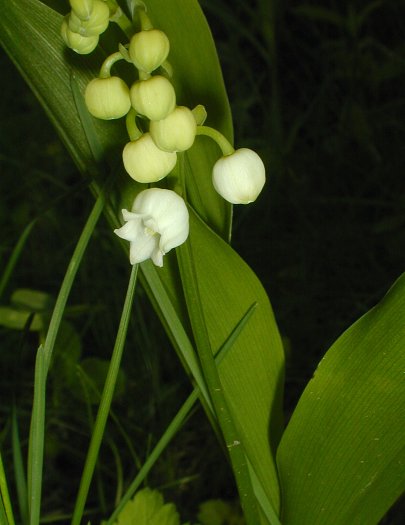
(105, 403)
(157, 451)
(224, 144)
(44, 356)
(178, 419)
(105, 70)
(4, 494)
(232, 440)
(121, 19)
(130, 121)
(144, 19)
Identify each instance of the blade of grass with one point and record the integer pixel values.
(35, 457)
(105, 403)
(3, 515)
(173, 325)
(177, 421)
(199, 327)
(19, 471)
(36, 441)
(69, 278)
(6, 511)
(14, 256)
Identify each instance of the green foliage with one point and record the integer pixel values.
(147, 508)
(219, 512)
(341, 457)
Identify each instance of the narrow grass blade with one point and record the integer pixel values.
(19, 470)
(105, 402)
(5, 277)
(6, 510)
(36, 441)
(70, 277)
(173, 324)
(178, 421)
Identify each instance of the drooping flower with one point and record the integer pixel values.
(145, 162)
(154, 98)
(157, 223)
(82, 8)
(83, 45)
(107, 98)
(239, 177)
(95, 24)
(176, 132)
(149, 49)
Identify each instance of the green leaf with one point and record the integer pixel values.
(148, 508)
(252, 371)
(341, 459)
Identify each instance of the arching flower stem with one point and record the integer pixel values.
(105, 70)
(134, 132)
(224, 144)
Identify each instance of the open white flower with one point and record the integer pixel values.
(157, 223)
(239, 177)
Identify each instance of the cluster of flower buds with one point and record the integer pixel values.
(158, 220)
(82, 27)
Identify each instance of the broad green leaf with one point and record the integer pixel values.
(341, 459)
(252, 371)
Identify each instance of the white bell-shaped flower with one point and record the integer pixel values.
(157, 223)
(145, 162)
(239, 177)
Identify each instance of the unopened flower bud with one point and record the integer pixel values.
(149, 49)
(239, 177)
(80, 44)
(176, 132)
(158, 222)
(107, 98)
(145, 162)
(154, 98)
(96, 24)
(82, 8)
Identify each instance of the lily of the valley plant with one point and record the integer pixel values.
(135, 116)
